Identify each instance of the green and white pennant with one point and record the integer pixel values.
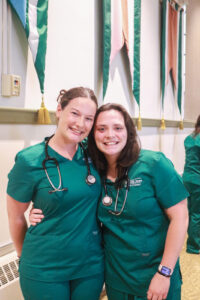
(121, 26)
(33, 15)
(172, 60)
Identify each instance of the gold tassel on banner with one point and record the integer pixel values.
(162, 125)
(139, 123)
(43, 114)
(181, 127)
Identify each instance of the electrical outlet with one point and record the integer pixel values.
(10, 85)
(15, 85)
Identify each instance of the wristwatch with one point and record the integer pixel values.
(165, 271)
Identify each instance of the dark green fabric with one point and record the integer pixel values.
(67, 243)
(117, 295)
(27, 28)
(192, 159)
(180, 54)
(87, 288)
(106, 42)
(193, 240)
(134, 241)
(191, 178)
(136, 56)
(163, 48)
(42, 21)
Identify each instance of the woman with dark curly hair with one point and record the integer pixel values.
(143, 211)
(191, 179)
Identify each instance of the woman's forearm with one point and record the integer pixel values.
(178, 216)
(18, 228)
(17, 222)
(175, 237)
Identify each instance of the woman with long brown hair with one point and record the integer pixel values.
(142, 208)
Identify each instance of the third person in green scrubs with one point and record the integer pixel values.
(191, 179)
(143, 210)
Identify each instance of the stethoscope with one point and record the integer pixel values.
(107, 200)
(90, 179)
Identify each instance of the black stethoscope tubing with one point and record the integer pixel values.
(107, 200)
(90, 179)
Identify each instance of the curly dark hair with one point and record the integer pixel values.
(65, 97)
(130, 152)
(197, 126)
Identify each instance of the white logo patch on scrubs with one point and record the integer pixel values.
(136, 182)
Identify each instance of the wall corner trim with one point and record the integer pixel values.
(21, 116)
(29, 116)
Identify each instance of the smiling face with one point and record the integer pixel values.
(76, 119)
(110, 133)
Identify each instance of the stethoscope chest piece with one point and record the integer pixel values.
(90, 179)
(107, 201)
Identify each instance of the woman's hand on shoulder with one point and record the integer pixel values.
(158, 288)
(35, 216)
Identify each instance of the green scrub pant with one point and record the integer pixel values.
(86, 288)
(193, 241)
(117, 295)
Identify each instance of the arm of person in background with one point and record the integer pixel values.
(178, 216)
(35, 216)
(17, 222)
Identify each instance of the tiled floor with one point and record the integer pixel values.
(190, 267)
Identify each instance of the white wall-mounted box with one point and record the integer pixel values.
(10, 85)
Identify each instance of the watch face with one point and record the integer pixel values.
(166, 271)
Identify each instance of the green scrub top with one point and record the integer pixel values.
(192, 159)
(67, 243)
(134, 241)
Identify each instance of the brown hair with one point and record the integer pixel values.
(66, 96)
(128, 155)
(197, 127)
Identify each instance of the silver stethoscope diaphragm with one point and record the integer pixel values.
(107, 201)
(90, 179)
